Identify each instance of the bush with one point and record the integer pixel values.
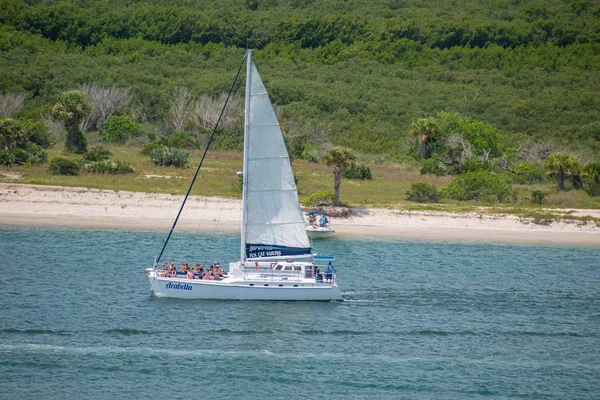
(538, 196)
(529, 173)
(64, 166)
(179, 139)
(320, 198)
(147, 149)
(29, 153)
(112, 167)
(118, 129)
(361, 171)
(593, 189)
(480, 186)
(432, 166)
(166, 157)
(311, 154)
(423, 192)
(97, 153)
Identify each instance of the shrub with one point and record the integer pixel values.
(64, 166)
(179, 139)
(118, 129)
(7, 158)
(320, 198)
(473, 164)
(28, 153)
(147, 149)
(166, 157)
(480, 186)
(360, 171)
(431, 166)
(538, 196)
(97, 153)
(311, 154)
(423, 192)
(593, 189)
(528, 173)
(112, 167)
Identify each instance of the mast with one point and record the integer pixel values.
(246, 146)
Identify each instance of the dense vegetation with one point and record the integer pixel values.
(464, 87)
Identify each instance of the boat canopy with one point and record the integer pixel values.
(318, 213)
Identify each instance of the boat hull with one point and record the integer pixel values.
(319, 233)
(242, 290)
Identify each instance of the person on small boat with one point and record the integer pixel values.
(324, 221)
(173, 270)
(189, 274)
(207, 276)
(311, 219)
(329, 272)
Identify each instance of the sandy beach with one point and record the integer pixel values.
(81, 207)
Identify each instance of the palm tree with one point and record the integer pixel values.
(563, 166)
(71, 108)
(339, 159)
(592, 172)
(425, 131)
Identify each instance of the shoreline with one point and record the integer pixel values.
(38, 205)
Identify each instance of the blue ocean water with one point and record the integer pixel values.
(419, 321)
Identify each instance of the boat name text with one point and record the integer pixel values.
(181, 286)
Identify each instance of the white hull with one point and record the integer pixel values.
(319, 233)
(235, 289)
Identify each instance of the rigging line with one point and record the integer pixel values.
(201, 161)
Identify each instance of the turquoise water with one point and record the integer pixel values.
(419, 321)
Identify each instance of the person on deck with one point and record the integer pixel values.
(256, 266)
(329, 272)
(218, 272)
(318, 275)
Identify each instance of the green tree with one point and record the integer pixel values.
(339, 159)
(425, 131)
(563, 166)
(591, 172)
(11, 133)
(70, 108)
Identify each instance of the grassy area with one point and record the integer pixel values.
(218, 178)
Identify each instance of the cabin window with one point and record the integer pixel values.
(266, 284)
(297, 268)
(278, 268)
(288, 267)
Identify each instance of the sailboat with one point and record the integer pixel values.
(276, 260)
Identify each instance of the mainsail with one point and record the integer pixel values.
(273, 224)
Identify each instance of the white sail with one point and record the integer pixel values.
(274, 224)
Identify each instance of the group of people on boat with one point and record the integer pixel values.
(329, 271)
(323, 221)
(214, 272)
